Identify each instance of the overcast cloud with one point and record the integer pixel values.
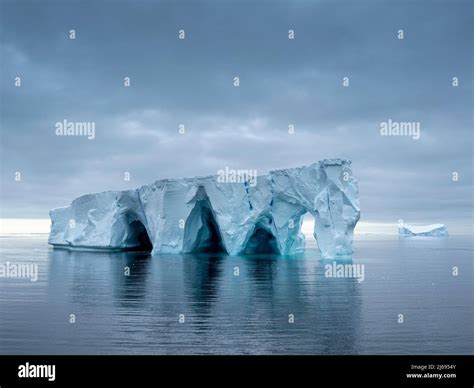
(282, 82)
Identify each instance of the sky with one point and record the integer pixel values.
(282, 82)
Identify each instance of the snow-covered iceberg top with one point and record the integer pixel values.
(425, 230)
(208, 214)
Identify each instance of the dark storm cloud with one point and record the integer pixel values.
(283, 82)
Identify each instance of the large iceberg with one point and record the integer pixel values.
(207, 214)
(426, 230)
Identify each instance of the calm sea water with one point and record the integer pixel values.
(244, 314)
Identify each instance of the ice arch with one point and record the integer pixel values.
(138, 237)
(131, 232)
(262, 239)
(201, 232)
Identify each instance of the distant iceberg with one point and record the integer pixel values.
(205, 214)
(426, 230)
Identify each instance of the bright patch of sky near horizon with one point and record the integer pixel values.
(41, 226)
